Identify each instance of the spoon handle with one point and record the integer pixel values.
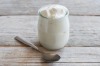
(26, 42)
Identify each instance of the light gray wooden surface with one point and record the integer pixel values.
(68, 55)
(71, 56)
(30, 7)
(84, 30)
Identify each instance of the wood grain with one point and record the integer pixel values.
(30, 7)
(50, 64)
(84, 30)
(68, 55)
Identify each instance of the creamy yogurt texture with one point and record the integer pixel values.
(53, 26)
(53, 11)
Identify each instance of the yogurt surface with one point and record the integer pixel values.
(53, 11)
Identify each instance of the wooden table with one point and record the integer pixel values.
(84, 31)
(19, 18)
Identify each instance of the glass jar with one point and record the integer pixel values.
(53, 33)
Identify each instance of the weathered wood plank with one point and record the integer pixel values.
(84, 30)
(30, 7)
(68, 55)
(50, 64)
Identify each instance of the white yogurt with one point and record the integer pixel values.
(53, 11)
(53, 26)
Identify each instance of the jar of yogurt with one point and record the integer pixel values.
(53, 26)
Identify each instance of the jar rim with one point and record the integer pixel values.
(49, 18)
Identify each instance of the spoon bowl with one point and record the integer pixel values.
(50, 57)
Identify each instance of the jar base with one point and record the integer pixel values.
(51, 48)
